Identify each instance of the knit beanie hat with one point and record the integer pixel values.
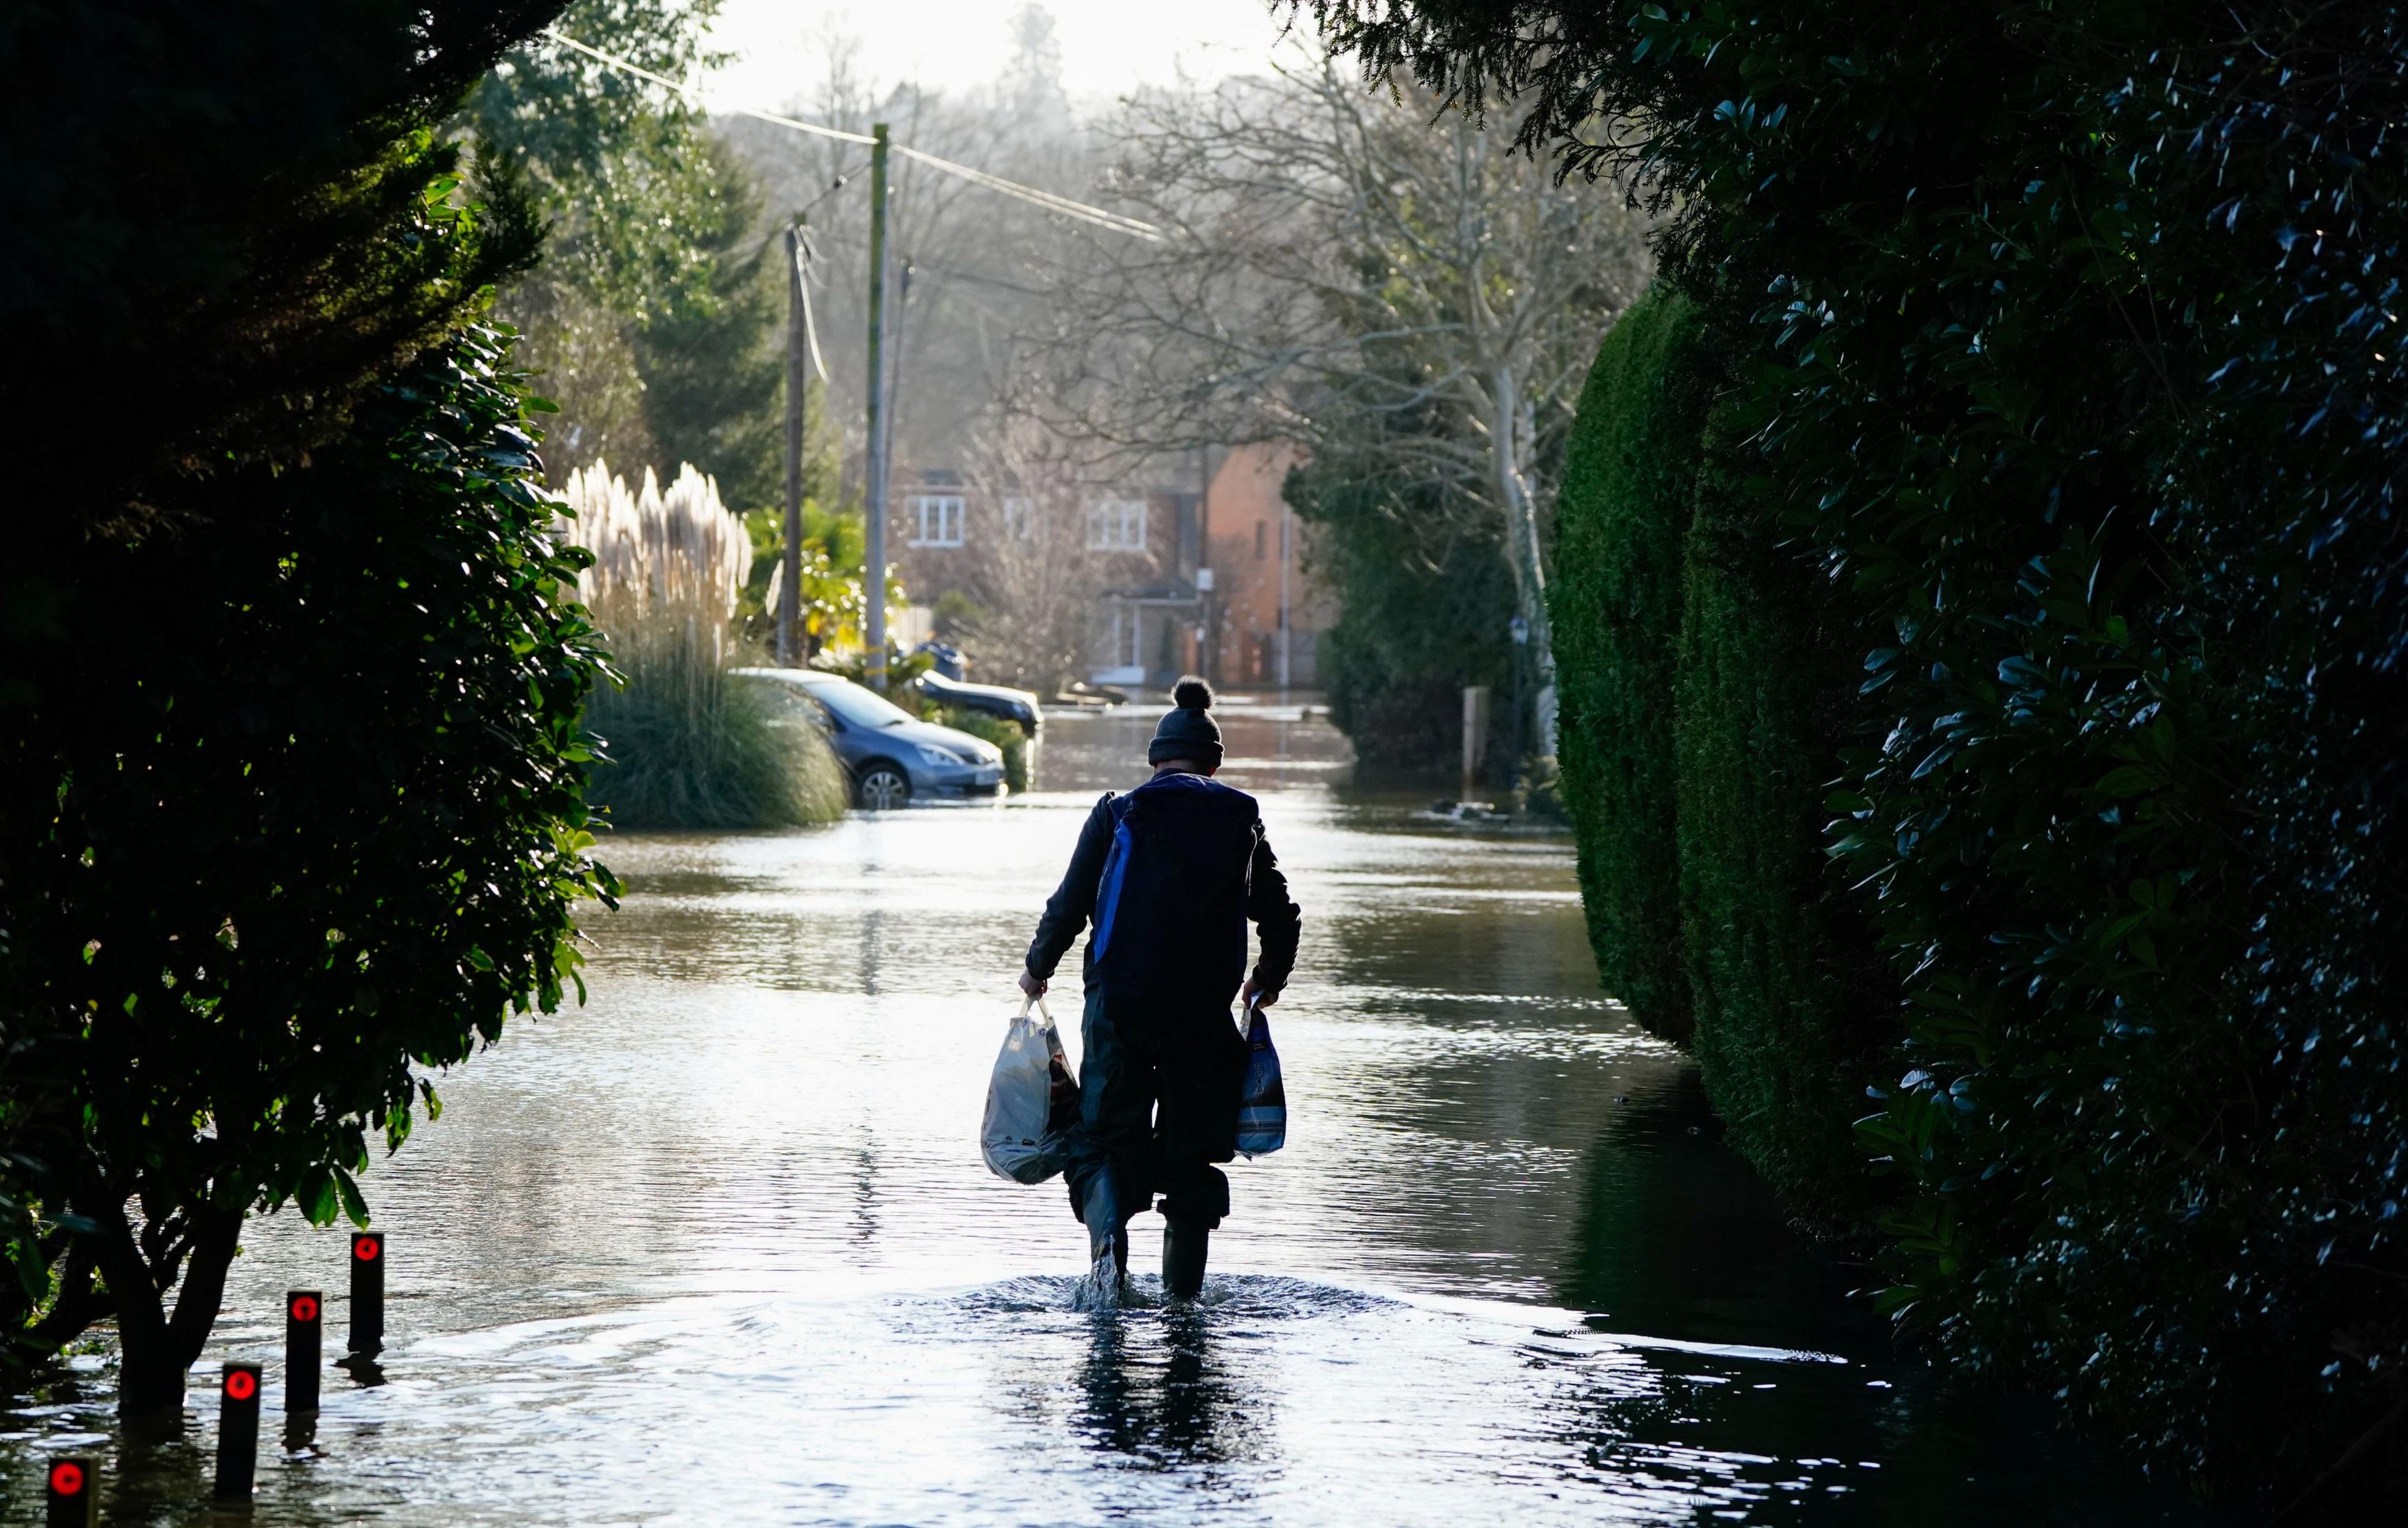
(1187, 731)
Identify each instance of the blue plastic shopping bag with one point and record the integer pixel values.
(1262, 1103)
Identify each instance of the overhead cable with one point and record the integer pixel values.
(1045, 199)
(641, 73)
(1065, 206)
(802, 248)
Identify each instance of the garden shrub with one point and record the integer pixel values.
(1792, 1007)
(715, 753)
(1630, 473)
(2067, 336)
(988, 727)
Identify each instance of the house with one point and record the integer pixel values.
(929, 534)
(1136, 552)
(1267, 617)
(1174, 580)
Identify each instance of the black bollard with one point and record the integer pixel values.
(367, 1292)
(74, 1493)
(304, 1347)
(237, 1431)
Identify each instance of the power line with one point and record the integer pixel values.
(803, 286)
(929, 267)
(641, 73)
(1063, 205)
(1045, 199)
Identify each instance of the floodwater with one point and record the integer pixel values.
(718, 1247)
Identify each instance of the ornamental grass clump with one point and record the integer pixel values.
(690, 745)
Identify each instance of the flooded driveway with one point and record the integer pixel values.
(719, 1248)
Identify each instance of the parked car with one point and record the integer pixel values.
(1014, 705)
(946, 658)
(891, 754)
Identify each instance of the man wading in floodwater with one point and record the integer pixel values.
(1169, 873)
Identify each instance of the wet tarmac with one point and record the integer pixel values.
(719, 1249)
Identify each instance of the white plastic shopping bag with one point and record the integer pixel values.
(1032, 1101)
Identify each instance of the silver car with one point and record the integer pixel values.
(891, 754)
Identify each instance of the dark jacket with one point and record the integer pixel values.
(1169, 874)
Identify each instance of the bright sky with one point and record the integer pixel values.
(1109, 47)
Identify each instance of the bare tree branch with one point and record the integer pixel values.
(1365, 273)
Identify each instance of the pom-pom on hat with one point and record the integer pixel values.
(1187, 731)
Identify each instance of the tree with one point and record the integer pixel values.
(2064, 333)
(980, 261)
(1038, 586)
(654, 317)
(227, 224)
(290, 762)
(1367, 277)
(324, 840)
(1424, 598)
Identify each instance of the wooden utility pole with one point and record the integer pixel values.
(790, 591)
(902, 317)
(873, 508)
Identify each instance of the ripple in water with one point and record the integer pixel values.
(718, 1247)
(1251, 1297)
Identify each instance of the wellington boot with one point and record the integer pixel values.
(1185, 1244)
(1106, 1286)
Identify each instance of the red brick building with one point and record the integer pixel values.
(1266, 617)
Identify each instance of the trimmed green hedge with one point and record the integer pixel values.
(1704, 696)
(1622, 514)
(2065, 344)
(1791, 1000)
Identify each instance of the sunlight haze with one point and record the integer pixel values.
(1108, 47)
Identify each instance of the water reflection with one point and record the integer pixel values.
(729, 1224)
(1674, 1235)
(1155, 1390)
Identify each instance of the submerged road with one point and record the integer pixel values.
(719, 1249)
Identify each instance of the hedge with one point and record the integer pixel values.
(1622, 515)
(1793, 1007)
(1708, 685)
(2066, 344)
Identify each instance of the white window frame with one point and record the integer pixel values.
(1116, 525)
(1125, 650)
(936, 514)
(1020, 517)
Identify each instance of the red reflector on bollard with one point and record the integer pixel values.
(303, 1310)
(74, 1495)
(368, 1294)
(237, 1431)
